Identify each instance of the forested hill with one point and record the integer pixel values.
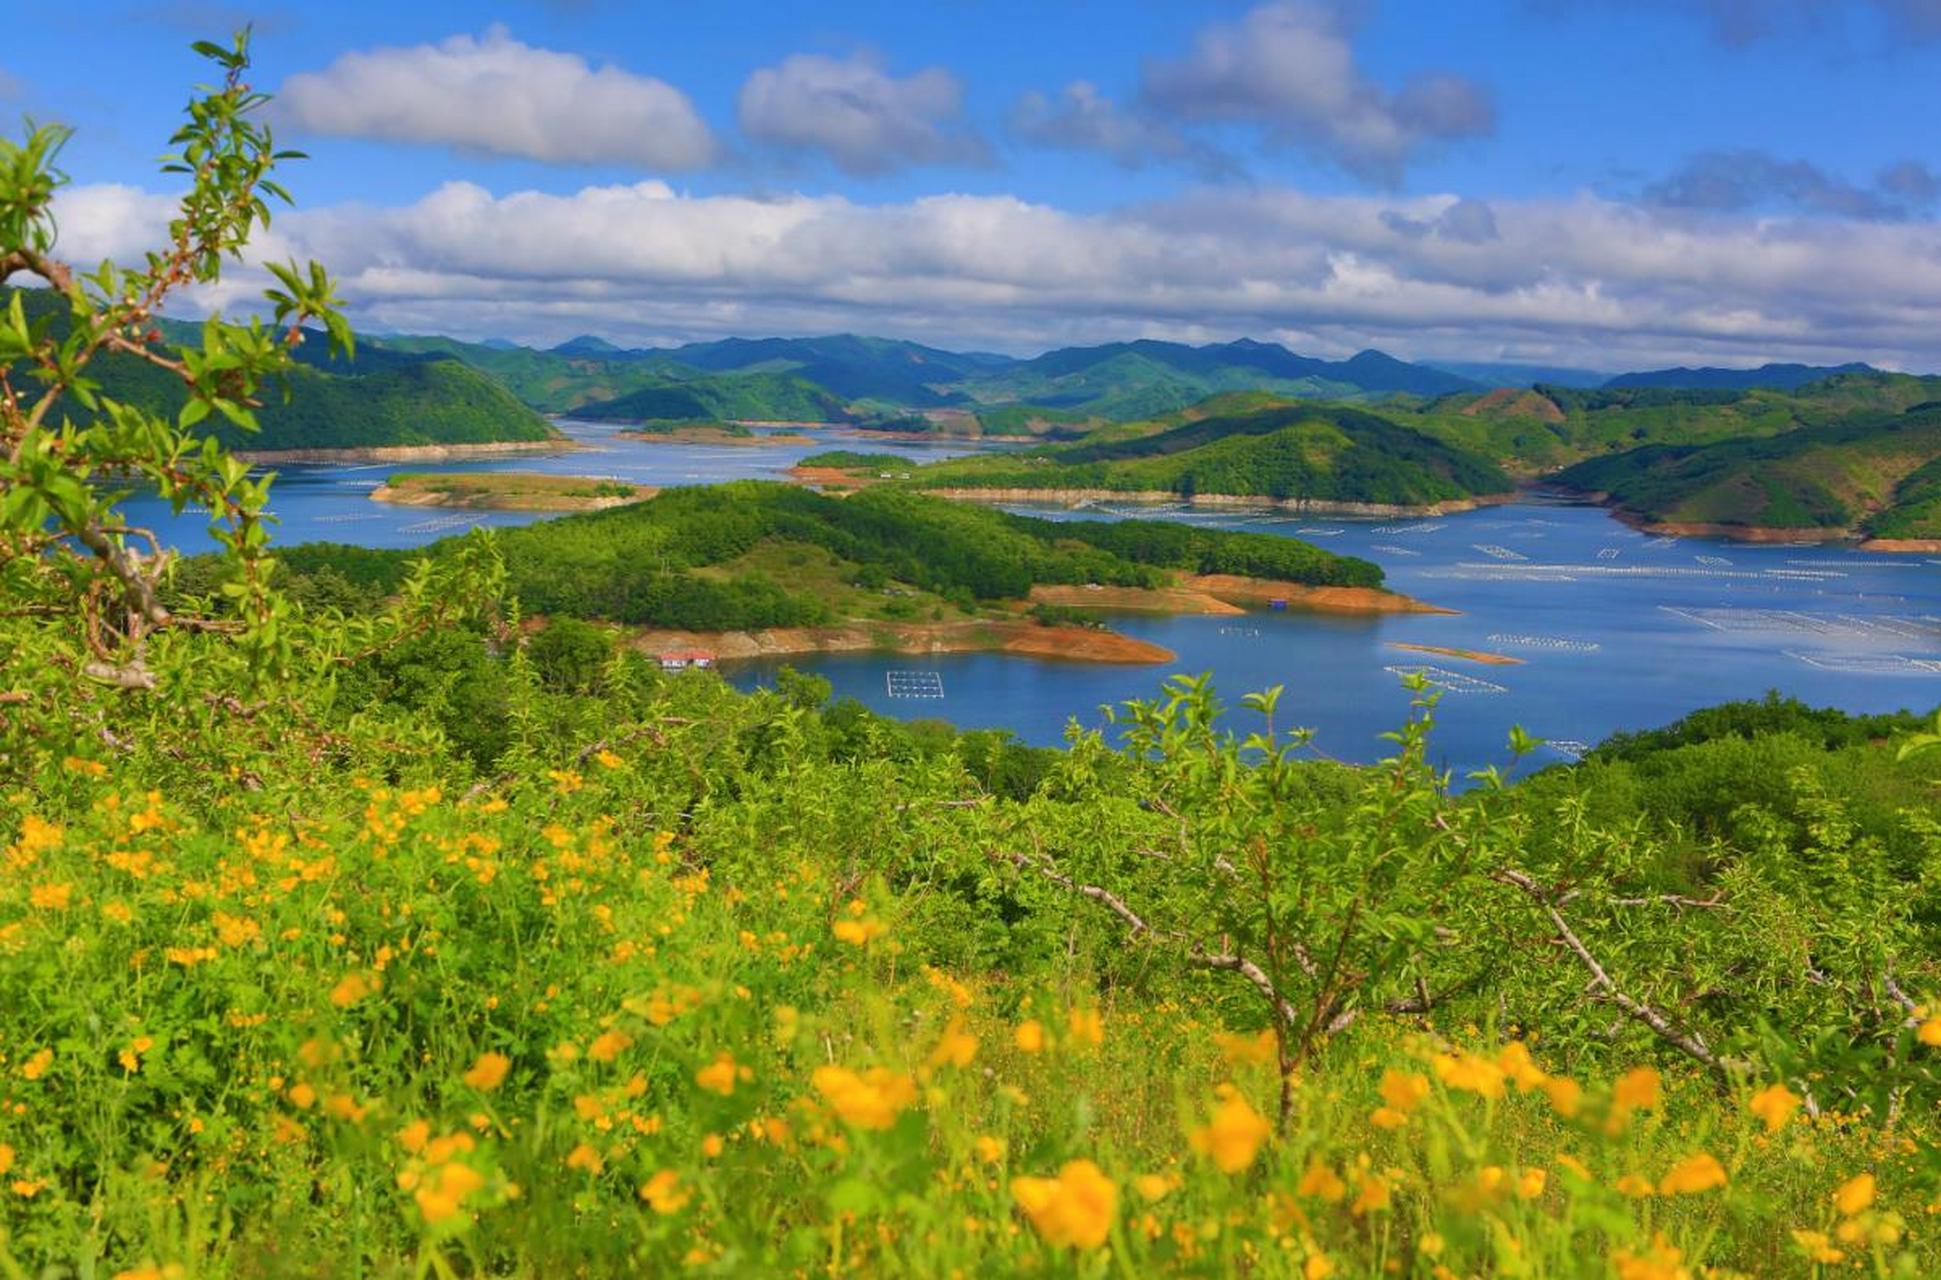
(1875, 475)
(399, 401)
(748, 397)
(1777, 377)
(1324, 453)
(753, 554)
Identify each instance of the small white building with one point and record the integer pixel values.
(682, 659)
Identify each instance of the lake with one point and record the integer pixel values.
(1617, 629)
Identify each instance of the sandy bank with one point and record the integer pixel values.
(1300, 506)
(1903, 546)
(1028, 639)
(1467, 655)
(411, 452)
(1132, 599)
(829, 478)
(1259, 591)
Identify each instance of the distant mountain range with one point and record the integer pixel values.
(1773, 377)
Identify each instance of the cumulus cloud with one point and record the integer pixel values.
(1736, 181)
(1080, 118)
(493, 93)
(1585, 280)
(1464, 221)
(1289, 66)
(856, 113)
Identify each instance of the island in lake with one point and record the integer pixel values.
(508, 491)
(756, 569)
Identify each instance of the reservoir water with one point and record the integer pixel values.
(1616, 629)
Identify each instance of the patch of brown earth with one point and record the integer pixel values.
(1132, 599)
(1073, 644)
(1928, 546)
(1259, 591)
(1467, 655)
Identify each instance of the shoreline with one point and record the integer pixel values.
(1021, 638)
(1755, 534)
(477, 500)
(412, 452)
(1230, 595)
(715, 435)
(1467, 655)
(1073, 498)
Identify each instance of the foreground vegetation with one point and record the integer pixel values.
(412, 940)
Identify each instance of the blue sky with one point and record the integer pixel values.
(1600, 182)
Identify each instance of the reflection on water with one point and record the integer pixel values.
(1616, 629)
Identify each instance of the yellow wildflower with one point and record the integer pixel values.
(1930, 1032)
(989, 1150)
(956, 1047)
(1029, 1036)
(1077, 1207)
(1693, 1174)
(1087, 1027)
(1467, 1071)
(1516, 1063)
(1818, 1246)
(1321, 1183)
(1855, 1195)
(871, 1100)
(608, 1045)
(585, 1157)
(489, 1072)
(1635, 1089)
(859, 933)
(1532, 1183)
(718, 1076)
(663, 1192)
(1152, 1187)
(1234, 1136)
(1371, 1197)
(36, 1066)
(1775, 1105)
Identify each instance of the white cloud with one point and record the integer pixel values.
(1289, 66)
(493, 93)
(856, 113)
(1080, 118)
(1583, 280)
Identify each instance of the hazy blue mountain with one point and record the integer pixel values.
(1777, 377)
(1511, 374)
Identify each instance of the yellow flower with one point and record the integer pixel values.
(1243, 1050)
(1151, 1186)
(989, 1150)
(608, 1045)
(663, 1192)
(1635, 1185)
(36, 1066)
(1693, 1174)
(1635, 1089)
(867, 1101)
(1234, 1136)
(1077, 1207)
(1321, 1183)
(488, 1073)
(1565, 1095)
(1930, 1032)
(1516, 1063)
(6, 1159)
(1775, 1105)
(445, 1193)
(1317, 1267)
(1404, 1091)
(1372, 1196)
(718, 1076)
(608, 760)
(349, 991)
(302, 1095)
(1855, 1195)
(956, 1047)
(1087, 1027)
(585, 1157)
(859, 933)
(1387, 1118)
(712, 1145)
(51, 896)
(1817, 1246)
(1467, 1071)
(1030, 1036)
(1531, 1184)
(1664, 1262)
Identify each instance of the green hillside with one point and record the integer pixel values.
(400, 402)
(1871, 473)
(754, 554)
(749, 397)
(1320, 452)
